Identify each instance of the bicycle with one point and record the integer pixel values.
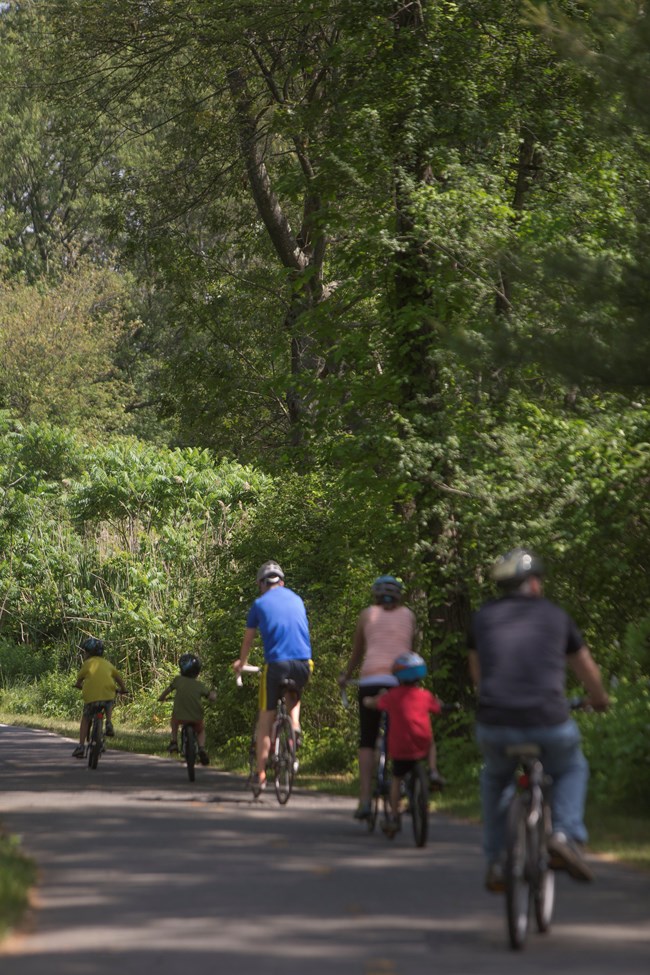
(282, 756)
(95, 742)
(380, 791)
(529, 877)
(189, 748)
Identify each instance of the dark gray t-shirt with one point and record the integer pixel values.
(522, 644)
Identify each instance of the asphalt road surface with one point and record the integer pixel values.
(142, 872)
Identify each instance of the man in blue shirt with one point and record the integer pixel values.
(280, 616)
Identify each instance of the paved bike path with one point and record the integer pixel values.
(141, 872)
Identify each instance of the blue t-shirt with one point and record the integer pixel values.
(280, 616)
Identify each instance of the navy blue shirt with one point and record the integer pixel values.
(522, 644)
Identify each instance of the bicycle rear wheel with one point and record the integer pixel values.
(381, 788)
(284, 753)
(517, 889)
(188, 738)
(544, 888)
(95, 745)
(420, 804)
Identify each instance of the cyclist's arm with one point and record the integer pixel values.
(587, 671)
(249, 638)
(121, 686)
(165, 694)
(358, 650)
(474, 668)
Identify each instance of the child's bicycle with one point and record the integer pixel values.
(95, 740)
(189, 748)
(415, 785)
(529, 877)
(282, 756)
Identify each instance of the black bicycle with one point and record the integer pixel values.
(282, 756)
(95, 743)
(189, 748)
(530, 880)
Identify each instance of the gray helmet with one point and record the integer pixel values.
(269, 572)
(513, 568)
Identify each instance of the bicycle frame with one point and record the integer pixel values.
(282, 753)
(95, 740)
(530, 882)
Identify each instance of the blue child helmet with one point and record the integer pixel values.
(409, 667)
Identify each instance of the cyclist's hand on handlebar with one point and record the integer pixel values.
(600, 703)
(341, 680)
(237, 665)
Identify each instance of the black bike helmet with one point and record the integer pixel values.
(190, 665)
(92, 646)
(513, 568)
(387, 590)
(270, 572)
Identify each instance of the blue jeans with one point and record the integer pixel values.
(563, 760)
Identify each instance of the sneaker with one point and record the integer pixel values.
(257, 785)
(109, 732)
(390, 826)
(362, 811)
(565, 854)
(436, 781)
(204, 758)
(79, 752)
(172, 747)
(494, 878)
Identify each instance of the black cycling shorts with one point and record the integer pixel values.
(369, 718)
(299, 671)
(403, 765)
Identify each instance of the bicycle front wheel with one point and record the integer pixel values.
(517, 889)
(283, 759)
(189, 750)
(544, 888)
(95, 745)
(420, 804)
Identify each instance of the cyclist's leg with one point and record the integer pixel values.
(369, 720)
(299, 671)
(263, 741)
(565, 762)
(395, 786)
(496, 784)
(109, 732)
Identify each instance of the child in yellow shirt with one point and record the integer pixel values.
(98, 680)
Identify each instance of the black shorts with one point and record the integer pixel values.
(299, 671)
(92, 707)
(403, 765)
(369, 718)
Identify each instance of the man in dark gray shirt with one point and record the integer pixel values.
(519, 648)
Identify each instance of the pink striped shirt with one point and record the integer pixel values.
(387, 633)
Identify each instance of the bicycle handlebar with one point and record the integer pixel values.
(247, 669)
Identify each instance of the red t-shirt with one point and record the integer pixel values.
(409, 727)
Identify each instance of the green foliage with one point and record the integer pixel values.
(617, 745)
(17, 875)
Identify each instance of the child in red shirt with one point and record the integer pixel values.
(410, 736)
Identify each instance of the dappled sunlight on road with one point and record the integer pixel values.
(142, 871)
